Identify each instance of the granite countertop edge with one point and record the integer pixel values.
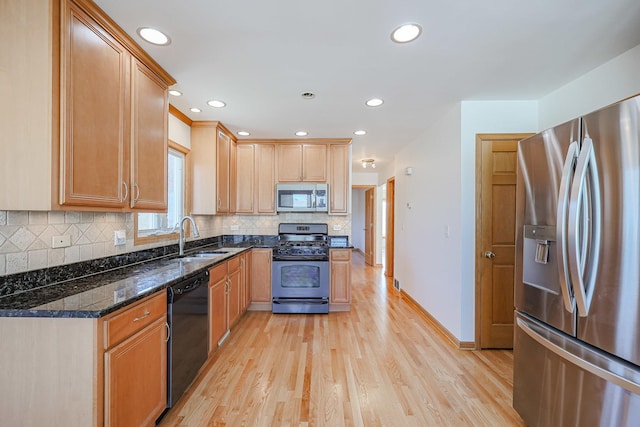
(94, 296)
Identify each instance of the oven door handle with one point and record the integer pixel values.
(318, 301)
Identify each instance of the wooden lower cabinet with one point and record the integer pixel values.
(135, 363)
(233, 290)
(226, 284)
(110, 371)
(340, 284)
(260, 279)
(218, 324)
(136, 378)
(245, 280)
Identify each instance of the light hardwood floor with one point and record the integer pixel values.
(379, 365)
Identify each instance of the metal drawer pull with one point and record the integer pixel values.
(146, 314)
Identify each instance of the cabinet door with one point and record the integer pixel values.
(233, 296)
(225, 182)
(339, 179)
(340, 276)
(149, 140)
(218, 325)
(289, 162)
(135, 373)
(245, 178)
(94, 108)
(314, 162)
(261, 275)
(246, 280)
(266, 178)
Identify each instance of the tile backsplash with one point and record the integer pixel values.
(25, 236)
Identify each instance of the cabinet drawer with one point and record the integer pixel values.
(233, 264)
(217, 273)
(340, 255)
(132, 319)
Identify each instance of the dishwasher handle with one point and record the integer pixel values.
(187, 286)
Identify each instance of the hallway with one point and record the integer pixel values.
(379, 365)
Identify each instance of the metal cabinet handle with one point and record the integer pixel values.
(489, 254)
(135, 199)
(126, 191)
(146, 314)
(168, 331)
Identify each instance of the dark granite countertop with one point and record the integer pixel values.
(96, 295)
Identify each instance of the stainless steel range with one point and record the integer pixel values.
(300, 269)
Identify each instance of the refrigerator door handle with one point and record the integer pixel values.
(592, 368)
(561, 226)
(584, 252)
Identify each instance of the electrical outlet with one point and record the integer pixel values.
(396, 284)
(235, 227)
(61, 241)
(119, 237)
(337, 228)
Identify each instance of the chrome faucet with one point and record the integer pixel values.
(195, 233)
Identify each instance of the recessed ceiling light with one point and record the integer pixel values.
(360, 132)
(175, 92)
(374, 102)
(301, 133)
(195, 110)
(243, 133)
(406, 33)
(216, 103)
(154, 36)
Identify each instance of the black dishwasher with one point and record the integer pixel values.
(188, 346)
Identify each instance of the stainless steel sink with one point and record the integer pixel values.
(200, 256)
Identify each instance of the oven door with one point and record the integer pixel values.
(299, 286)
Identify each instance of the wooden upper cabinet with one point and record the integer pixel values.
(226, 166)
(149, 143)
(289, 162)
(94, 161)
(302, 162)
(80, 77)
(255, 178)
(339, 182)
(265, 178)
(314, 162)
(245, 179)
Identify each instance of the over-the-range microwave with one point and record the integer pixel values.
(301, 197)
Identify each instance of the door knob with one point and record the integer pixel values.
(489, 254)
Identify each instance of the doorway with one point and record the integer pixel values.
(364, 221)
(496, 167)
(389, 228)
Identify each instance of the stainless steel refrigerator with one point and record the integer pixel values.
(577, 275)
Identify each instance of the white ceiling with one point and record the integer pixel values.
(259, 56)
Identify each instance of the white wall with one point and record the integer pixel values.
(179, 131)
(439, 272)
(435, 269)
(364, 178)
(611, 82)
(357, 218)
(426, 262)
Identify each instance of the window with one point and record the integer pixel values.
(151, 227)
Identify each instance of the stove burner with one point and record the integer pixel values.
(312, 243)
